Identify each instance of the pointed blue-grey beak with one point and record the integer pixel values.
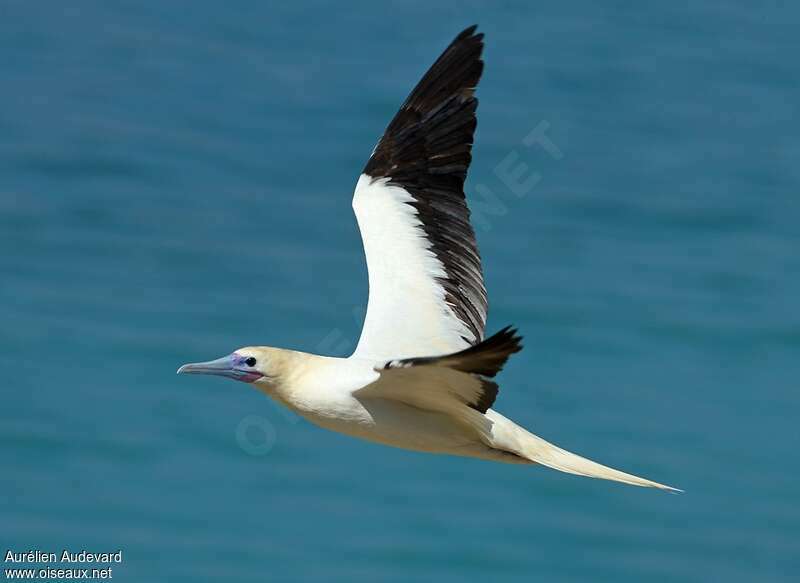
(232, 366)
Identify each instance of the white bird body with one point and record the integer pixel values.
(421, 375)
(324, 391)
(347, 395)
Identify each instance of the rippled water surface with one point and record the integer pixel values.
(175, 182)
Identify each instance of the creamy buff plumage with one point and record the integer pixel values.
(421, 377)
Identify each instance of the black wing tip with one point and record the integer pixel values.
(488, 357)
(491, 354)
(470, 45)
(507, 338)
(469, 33)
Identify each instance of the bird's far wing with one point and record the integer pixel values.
(426, 292)
(459, 395)
(458, 384)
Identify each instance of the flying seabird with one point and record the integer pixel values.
(422, 375)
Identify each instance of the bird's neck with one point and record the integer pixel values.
(295, 372)
(318, 387)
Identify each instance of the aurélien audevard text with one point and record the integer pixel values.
(65, 556)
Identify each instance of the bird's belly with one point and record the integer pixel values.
(396, 424)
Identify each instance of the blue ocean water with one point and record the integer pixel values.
(175, 182)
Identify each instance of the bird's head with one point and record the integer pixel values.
(252, 364)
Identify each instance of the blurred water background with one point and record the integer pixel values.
(175, 182)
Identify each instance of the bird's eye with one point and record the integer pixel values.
(250, 361)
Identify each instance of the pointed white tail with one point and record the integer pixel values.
(509, 436)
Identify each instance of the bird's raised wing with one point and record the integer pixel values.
(426, 292)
